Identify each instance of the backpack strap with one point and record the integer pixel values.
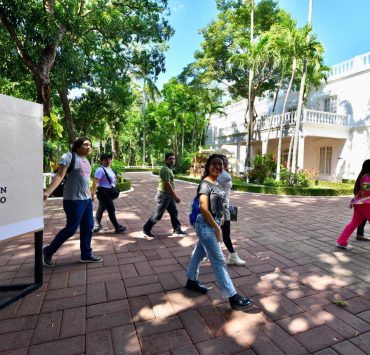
(106, 174)
(72, 164)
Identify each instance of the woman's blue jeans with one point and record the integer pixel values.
(79, 213)
(208, 245)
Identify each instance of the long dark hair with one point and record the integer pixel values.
(208, 163)
(365, 170)
(78, 143)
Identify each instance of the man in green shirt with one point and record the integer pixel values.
(165, 199)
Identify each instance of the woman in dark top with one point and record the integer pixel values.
(212, 200)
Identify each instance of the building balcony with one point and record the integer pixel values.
(318, 118)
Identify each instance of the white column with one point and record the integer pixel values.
(264, 147)
(300, 158)
(237, 160)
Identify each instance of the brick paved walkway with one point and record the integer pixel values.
(135, 301)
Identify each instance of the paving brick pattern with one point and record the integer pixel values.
(135, 303)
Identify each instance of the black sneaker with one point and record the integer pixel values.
(120, 229)
(179, 233)
(97, 228)
(91, 259)
(149, 235)
(47, 260)
(196, 286)
(238, 302)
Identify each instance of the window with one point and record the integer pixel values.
(292, 109)
(330, 104)
(325, 160)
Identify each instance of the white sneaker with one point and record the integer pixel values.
(179, 233)
(235, 260)
(345, 247)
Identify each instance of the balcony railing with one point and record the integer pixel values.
(312, 116)
(351, 66)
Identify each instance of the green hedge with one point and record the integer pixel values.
(300, 191)
(335, 189)
(344, 190)
(332, 184)
(123, 184)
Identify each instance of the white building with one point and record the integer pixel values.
(334, 132)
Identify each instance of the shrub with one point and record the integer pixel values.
(264, 166)
(271, 182)
(183, 165)
(299, 191)
(311, 174)
(117, 166)
(348, 181)
(123, 184)
(290, 179)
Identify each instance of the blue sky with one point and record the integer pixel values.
(342, 26)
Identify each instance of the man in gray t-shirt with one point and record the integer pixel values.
(77, 202)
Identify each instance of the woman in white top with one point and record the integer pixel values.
(104, 180)
(225, 181)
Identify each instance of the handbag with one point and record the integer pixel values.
(233, 213)
(113, 191)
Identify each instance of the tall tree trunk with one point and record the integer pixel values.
(43, 92)
(182, 137)
(300, 100)
(115, 147)
(63, 95)
(143, 112)
(248, 157)
(193, 134)
(175, 140)
(41, 68)
(272, 116)
(278, 163)
(290, 151)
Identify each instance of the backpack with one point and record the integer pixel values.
(194, 211)
(58, 192)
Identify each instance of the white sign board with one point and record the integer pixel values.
(21, 155)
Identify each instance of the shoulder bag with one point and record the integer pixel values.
(114, 191)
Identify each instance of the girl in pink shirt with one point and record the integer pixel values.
(360, 204)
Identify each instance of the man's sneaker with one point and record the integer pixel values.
(238, 302)
(91, 259)
(120, 229)
(362, 237)
(47, 260)
(179, 233)
(196, 286)
(235, 260)
(97, 228)
(345, 247)
(149, 235)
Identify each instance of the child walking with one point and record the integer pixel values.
(225, 181)
(360, 204)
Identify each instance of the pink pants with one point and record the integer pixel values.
(360, 212)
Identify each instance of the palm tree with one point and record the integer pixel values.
(250, 100)
(301, 92)
(287, 47)
(150, 92)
